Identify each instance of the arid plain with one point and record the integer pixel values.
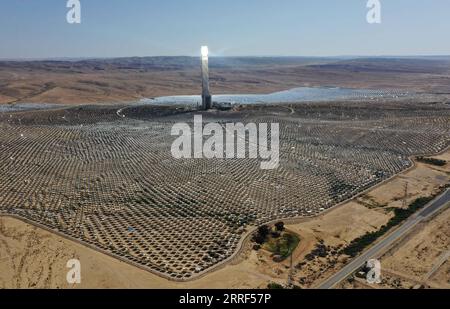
(128, 79)
(109, 182)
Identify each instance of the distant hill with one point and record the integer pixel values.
(437, 65)
(162, 63)
(74, 81)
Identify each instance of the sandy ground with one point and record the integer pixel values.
(442, 276)
(31, 257)
(34, 258)
(102, 82)
(422, 258)
(416, 256)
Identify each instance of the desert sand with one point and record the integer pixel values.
(129, 79)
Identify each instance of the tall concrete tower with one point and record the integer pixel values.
(206, 96)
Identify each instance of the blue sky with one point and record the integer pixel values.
(110, 28)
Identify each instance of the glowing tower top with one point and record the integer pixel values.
(206, 96)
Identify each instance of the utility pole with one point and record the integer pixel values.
(291, 272)
(405, 204)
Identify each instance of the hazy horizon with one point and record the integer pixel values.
(231, 57)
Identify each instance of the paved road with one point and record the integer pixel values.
(437, 204)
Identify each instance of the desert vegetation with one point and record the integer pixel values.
(400, 215)
(432, 161)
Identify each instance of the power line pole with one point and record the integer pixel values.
(405, 204)
(291, 272)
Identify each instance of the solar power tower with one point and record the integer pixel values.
(206, 96)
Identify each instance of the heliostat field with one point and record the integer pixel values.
(110, 181)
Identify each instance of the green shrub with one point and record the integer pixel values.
(275, 286)
(279, 226)
(400, 215)
(432, 161)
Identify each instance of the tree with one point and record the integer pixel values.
(275, 286)
(279, 226)
(261, 234)
(263, 231)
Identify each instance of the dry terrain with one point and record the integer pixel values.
(103, 175)
(32, 257)
(128, 79)
(97, 216)
(420, 260)
(423, 257)
(109, 179)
